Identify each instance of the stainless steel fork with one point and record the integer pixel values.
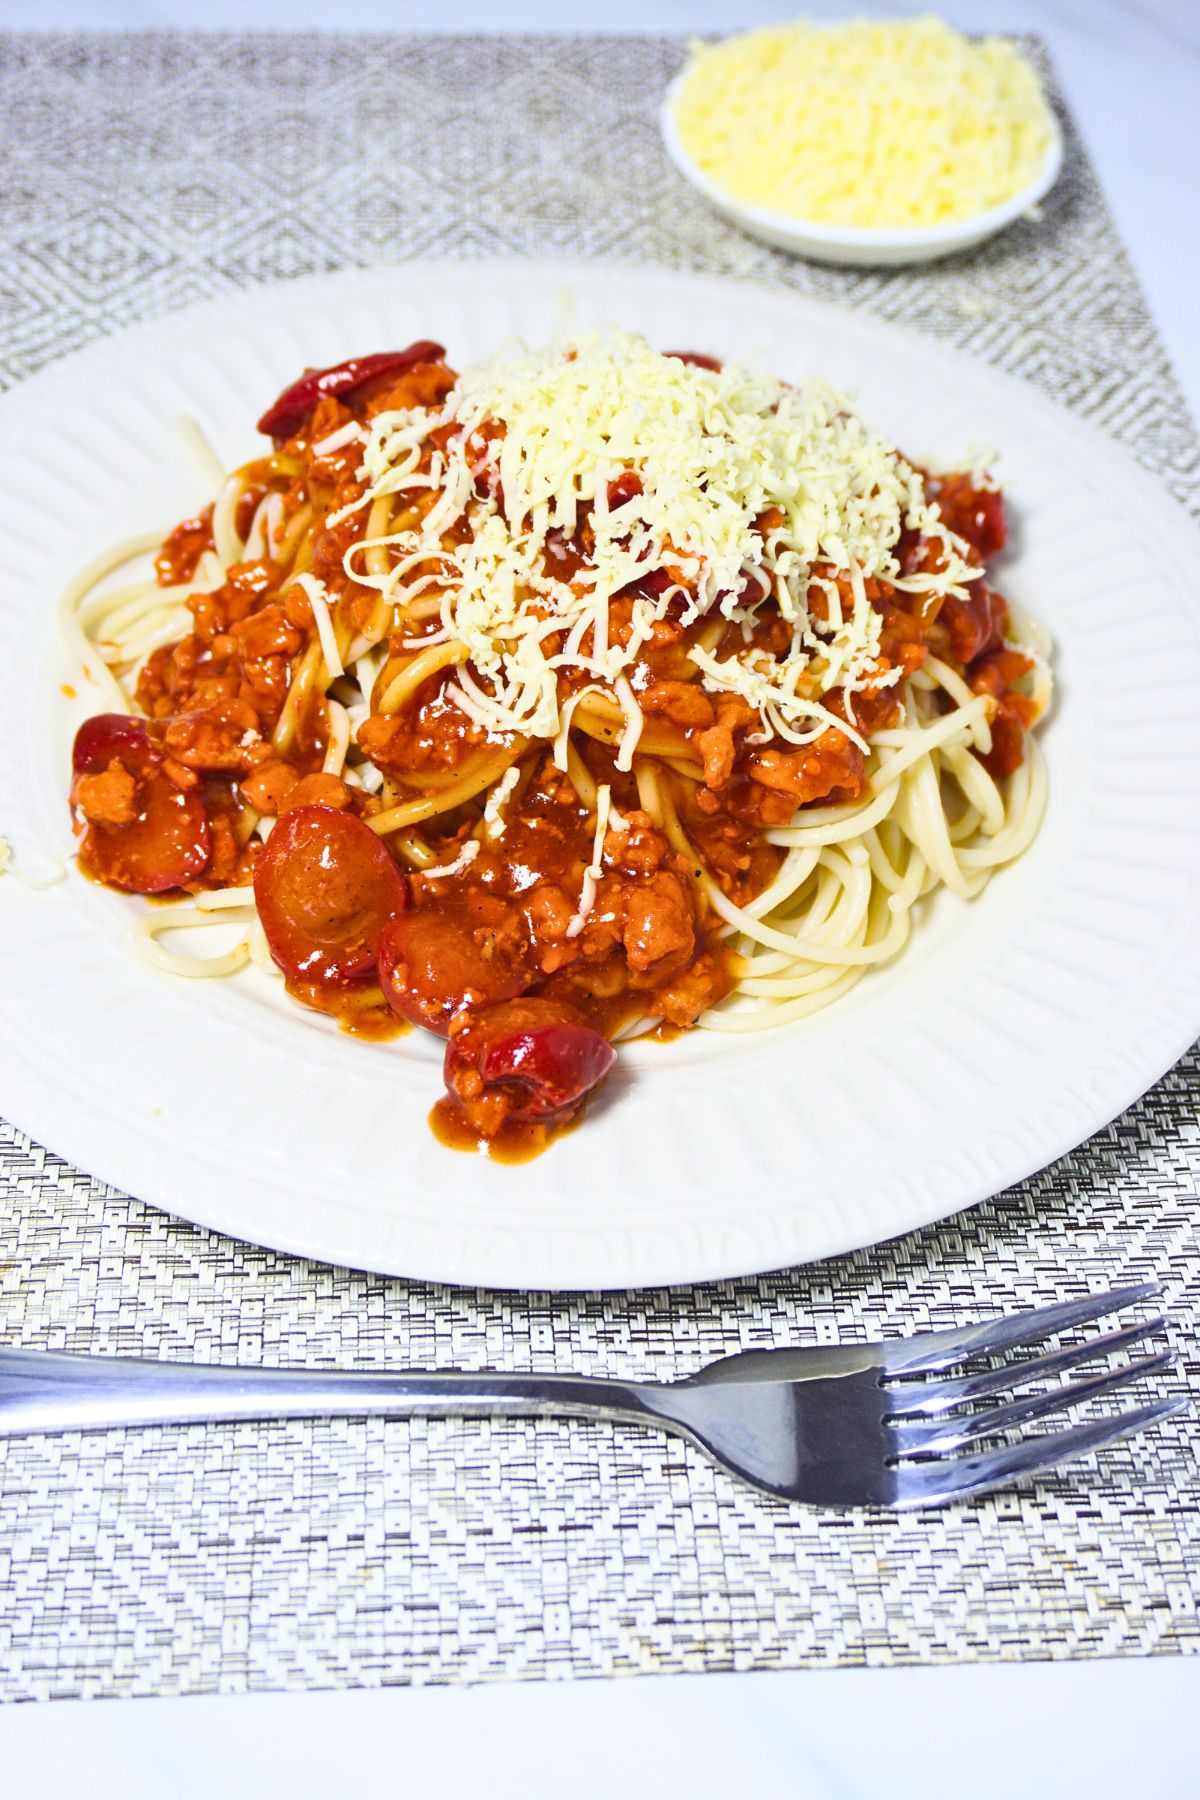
(855, 1425)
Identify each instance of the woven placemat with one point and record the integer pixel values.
(143, 172)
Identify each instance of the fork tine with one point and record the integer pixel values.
(940, 1481)
(928, 1436)
(928, 1398)
(934, 1350)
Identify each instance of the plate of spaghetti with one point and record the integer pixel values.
(614, 793)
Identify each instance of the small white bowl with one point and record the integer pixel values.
(858, 243)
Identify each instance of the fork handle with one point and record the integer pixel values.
(45, 1391)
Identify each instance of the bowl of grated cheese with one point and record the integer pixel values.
(867, 143)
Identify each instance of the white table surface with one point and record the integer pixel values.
(1131, 69)
(1027, 1731)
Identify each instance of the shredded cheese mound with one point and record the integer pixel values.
(462, 861)
(748, 491)
(901, 124)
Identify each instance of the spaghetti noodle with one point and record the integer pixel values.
(589, 693)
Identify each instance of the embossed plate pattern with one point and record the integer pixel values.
(1007, 1032)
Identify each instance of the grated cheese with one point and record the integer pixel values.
(463, 860)
(714, 450)
(318, 596)
(870, 124)
(494, 822)
(350, 433)
(566, 714)
(594, 870)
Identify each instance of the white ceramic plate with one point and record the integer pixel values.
(1008, 1031)
(871, 246)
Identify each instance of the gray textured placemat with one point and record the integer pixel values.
(145, 172)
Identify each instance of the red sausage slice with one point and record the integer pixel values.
(140, 831)
(106, 735)
(543, 1060)
(975, 624)
(297, 401)
(325, 887)
(439, 958)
